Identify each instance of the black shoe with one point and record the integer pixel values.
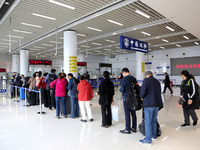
(58, 117)
(106, 126)
(65, 116)
(91, 120)
(172, 93)
(133, 130)
(83, 120)
(183, 125)
(125, 131)
(194, 123)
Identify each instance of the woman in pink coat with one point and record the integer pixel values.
(60, 93)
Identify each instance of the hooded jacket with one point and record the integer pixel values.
(60, 87)
(85, 91)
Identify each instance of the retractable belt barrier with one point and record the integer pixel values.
(40, 99)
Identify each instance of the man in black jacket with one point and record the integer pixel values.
(150, 93)
(167, 83)
(125, 84)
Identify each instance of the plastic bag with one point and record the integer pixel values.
(115, 113)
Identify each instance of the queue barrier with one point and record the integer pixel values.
(40, 99)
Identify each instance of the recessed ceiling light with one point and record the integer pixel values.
(80, 34)
(96, 44)
(157, 37)
(169, 28)
(61, 4)
(43, 16)
(19, 37)
(165, 40)
(9, 40)
(142, 13)
(196, 43)
(85, 46)
(22, 31)
(178, 45)
(145, 33)
(149, 43)
(55, 42)
(7, 3)
(110, 41)
(34, 49)
(114, 33)
(115, 22)
(186, 37)
(47, 45)
(32, 25)
(162, 47)
(95, 29)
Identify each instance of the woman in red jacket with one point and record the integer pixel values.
(84, 96)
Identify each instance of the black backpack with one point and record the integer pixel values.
(75, 91)
(50, 79)
(133, 100)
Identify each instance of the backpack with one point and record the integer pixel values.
(197, 88)
(75, 91)
(50, 79)
(133, 100)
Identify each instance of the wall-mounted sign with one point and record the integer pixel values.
(2, 69)
(40, 62)
(133, 44)
(105, 65)
(72, 64)
(143, 67)
(81, 64)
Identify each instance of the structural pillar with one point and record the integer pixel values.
(70, 52)
(24, 62)
(140, 65)
(16, 63)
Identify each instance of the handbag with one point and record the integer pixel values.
(181, 100)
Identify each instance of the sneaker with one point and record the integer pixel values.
(144, 141)
(183, 125)
(133, 130)
(58, 117)
(125, 131)
(154, 139)
(65, 116)
(194, 123)
(106, 126)
(83, 120)
(91, 120)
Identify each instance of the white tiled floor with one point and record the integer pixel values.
(22, 129)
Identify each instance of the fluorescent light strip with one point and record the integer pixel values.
(61, 38)
(186, 37)
(178, 45)
(85, 46)
(110, 41)
(107, 49)
(47, 45)
(169, 28)
(115, 53)
(95, 29)
(32, 25)
(19, 37)
(105, 54)
(114, 33)
(115, 22)
(43, 16)
(196, 43)
(145, 33)
(165, 40)
(9, 40)
(61, 4)
(55, 42)
(124, 52)
(4, 44)
(98, 51)
(34, 49)
(22, 31)
(96, 44)
(40, 47)
(117, 47)
(142, 13)
(162, 47)
(80, 34)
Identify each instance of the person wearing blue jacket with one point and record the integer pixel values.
(150, 93)
(125, 84)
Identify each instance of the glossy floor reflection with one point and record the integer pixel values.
(23, 129)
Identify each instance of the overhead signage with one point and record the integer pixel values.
(133, 44)
(105, 65)
(40, 62)
(81, 63)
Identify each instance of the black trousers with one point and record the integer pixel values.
(167, 86)
(51, 100)
(44, 98)
(106, 115)
(187, 113)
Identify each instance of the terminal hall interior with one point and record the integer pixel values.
(56, 57)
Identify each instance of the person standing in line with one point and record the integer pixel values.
(32, 95)
(60, 93)
(42, 84)
(85, 94)
(37, 80)
(50, 78)
(23, 80)
(150, 93)
(125, 84)
(189, 92)
(72, 86)
(167, 83)
(106, 93)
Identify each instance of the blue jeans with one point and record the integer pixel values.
(58, 99)
(74, 107)
(127, 113)
(150, 116)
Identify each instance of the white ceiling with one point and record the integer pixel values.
(133, 25)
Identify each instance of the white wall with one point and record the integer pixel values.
(6, 62)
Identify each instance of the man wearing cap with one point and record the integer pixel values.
(150, 93)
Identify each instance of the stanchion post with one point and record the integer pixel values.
(25, 98)
(16, 100)
(40, 98)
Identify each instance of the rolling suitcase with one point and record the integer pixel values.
(32, 98)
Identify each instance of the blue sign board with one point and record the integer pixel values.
(2, 90)
(133, 44)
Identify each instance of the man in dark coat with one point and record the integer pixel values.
(167, 83)
(189, 93)
(150, 93)
(125, 84)
(106, 92)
